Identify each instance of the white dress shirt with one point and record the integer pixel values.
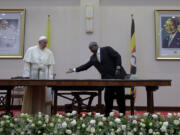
(98, 55)
(171, 37)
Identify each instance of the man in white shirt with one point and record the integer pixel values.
(7, 35)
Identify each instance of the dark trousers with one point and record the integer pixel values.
(112, 93)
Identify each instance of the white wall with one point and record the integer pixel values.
(65, 40)
(115, 23)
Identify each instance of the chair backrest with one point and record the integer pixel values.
(131, 92)
(19, 90)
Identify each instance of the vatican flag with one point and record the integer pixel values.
(49, 92)
(48, 31)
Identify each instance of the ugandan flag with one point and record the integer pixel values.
(133, 53)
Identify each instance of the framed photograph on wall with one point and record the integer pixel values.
(167, 34)
(12, 23)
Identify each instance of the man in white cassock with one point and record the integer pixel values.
(7, 35)
(38, 64)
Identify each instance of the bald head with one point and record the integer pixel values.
(93, 46)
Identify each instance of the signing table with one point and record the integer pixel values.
(151, 85)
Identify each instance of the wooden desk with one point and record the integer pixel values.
(150, 85)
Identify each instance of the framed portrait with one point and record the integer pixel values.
(167, 34)
(12, 33)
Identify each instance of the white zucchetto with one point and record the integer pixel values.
(42, 38)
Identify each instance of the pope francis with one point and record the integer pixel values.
(38, 64)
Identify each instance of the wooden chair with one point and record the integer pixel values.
(3, 100)
(78, 102)
(17, 93)
(130, 96)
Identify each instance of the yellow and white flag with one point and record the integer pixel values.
(48, 32)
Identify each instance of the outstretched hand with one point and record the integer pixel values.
(70, 70)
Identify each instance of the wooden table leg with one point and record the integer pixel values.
(8, 101)
(55, 102)
(150, 99)
(100, 100)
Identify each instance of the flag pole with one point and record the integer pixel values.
(133, 54)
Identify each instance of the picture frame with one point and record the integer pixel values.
(12, 25)
(167, 28)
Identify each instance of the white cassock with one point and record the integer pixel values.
(7, 38)
(38, 65)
